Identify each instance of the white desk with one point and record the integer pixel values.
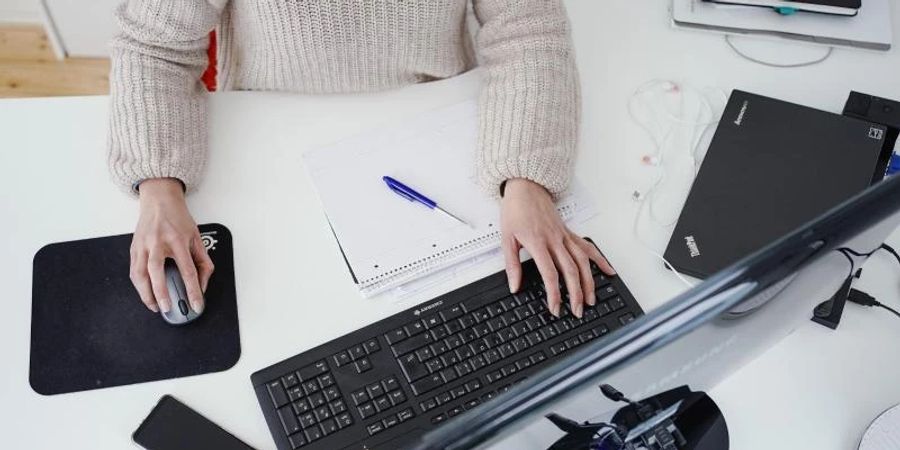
(816, 389)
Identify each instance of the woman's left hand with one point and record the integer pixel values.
(530, 220)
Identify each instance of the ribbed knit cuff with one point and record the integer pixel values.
(550, 170)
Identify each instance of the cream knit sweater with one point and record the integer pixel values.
(528, 109)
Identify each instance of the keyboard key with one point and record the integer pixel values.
(331, 393)
(458, 391)
(572, 342)
(557, 348)
(341, 358)
(301, 406)
(453, 342)
(426, 384)
(444, 398)
(412, 368)
(316, 400)
(382, 404)
(625, 319)
(277, 394)
(367, 410)
(493, 377)
(390, 384)
(414, 343)
(313, 433)
(601, 330)
(519, 344)
(472, 403)
(481, 330)
(356, 352)
(397, 397)
(432, 321)
(359, 397)
(328, 426)
(495, 309)
(473, 385)
(307, 420)
(337, 406)
(390, 421)
(295, 393)
(506, 350)
(414, 328)
(464, 352)
(467, 321)
(428, 405)
(509, 370)
(371, 346)
(523, 364)
(395, 336)
(492, 356)
(534, 338)
(538, 357)
(438, 418)
(448, 374)
(363, 365)
(313, 370)
(435, 365)
(439, 333)
(344, 420)
(439, 348)
(590, 315)
(451, 313)
(449, 359)
(482, 315)
(375, 428)
(310, 386)
(488, 396)
(288, 420)
(605, 292)
(424, 354)
(326, 380)
(290, 380)
(322, 413)
(456, 410)
(463, 368)
(406, 414)
(549, 332)
(602, 308)
(298, 440)
(585, 337)
(375, 390)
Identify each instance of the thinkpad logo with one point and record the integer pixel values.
(692, 246)
(428, 308)
(740, 117)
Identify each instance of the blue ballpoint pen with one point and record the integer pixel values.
(413, 196)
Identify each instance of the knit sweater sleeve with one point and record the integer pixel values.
(158, 103)
(530, 106)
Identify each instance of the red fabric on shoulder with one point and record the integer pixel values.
(209, 76)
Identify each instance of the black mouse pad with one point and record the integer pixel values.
(89, 329)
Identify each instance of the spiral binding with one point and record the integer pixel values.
(444, 258)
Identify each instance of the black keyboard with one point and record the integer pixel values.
(384, 385)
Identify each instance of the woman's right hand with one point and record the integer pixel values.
(166, 229)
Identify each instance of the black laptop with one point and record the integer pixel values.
(771, 167)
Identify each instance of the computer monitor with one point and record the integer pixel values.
(696, 339)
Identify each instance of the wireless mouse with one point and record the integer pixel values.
(180, 312)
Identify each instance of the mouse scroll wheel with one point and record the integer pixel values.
(183, 307)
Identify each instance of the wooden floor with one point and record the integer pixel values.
(28, 67)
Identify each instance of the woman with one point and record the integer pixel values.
(528, 111)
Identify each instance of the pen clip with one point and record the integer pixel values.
(401, 192)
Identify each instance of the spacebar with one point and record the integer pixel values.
(426, 384)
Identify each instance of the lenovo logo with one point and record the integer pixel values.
(740, 117)
(692, 246)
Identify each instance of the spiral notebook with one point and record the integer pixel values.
(388, 241)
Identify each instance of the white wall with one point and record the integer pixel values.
(20, 11)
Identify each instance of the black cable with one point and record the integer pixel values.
(891, 250)
(892, 310)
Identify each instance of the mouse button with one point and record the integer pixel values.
(183, 307)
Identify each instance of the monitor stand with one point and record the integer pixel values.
(679, 419)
